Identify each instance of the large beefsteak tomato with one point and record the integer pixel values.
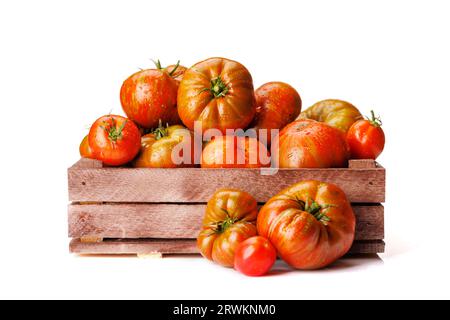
(336, 113)
(311, 224)
(311, 144)
(230, 218)
(219, 93)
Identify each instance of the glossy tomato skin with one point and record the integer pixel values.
(149, 96)
(85, 149)
(366, 140)
(229, 104)
(156, 152)
(114, 140)
(336, 113)
(229, 219)
(255, 256)
(312, 144)
(235, 152)
(278, 104)
(301, 239)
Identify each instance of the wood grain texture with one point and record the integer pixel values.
(196, 185)
(177, 221)
(181, 246)
(361, 163)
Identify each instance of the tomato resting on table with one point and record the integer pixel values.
(366, 138)
(114, 140)
(336, 113)
(229, 219)
(311, 224)
(85, 149)
(219, 93)
(149, 96)
(235, 152)
(277, 104)
(311, 144)
(255, 256)
(157, 148)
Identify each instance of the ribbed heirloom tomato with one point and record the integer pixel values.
(114, 140)
(336, 113)
(235, 152)
(158, 147)
(311, 224)
(219, 93)
(312, 144)
(277, 104)
(229, 219)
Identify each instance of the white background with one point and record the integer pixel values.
(62, 64)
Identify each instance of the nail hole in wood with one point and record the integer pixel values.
(83, 183)
(371, 183)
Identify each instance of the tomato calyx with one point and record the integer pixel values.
(218, 88)
(374, 121)
(114, 133)
(222, 226)
(318, 211)
(161, 131)
(159, 67)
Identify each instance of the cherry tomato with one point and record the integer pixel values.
(255, 256)
(366, 138)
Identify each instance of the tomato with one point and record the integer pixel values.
(235, 152)
(219, 93)
(366, 138)
(157, 148)
(85, 149)
(336, 113)
(229, 219)
(149, 96)
(311, 224)
(255, 256)
(311, 144)
(115, 140)
(176, 71)
(278, 104)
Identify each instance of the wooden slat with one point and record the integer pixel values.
(197, 185)
(177, 221)
(85, 163)
(182, 246)
(362, 163)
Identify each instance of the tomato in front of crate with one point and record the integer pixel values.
(158, 148)
(311, 224)
(366, 138)
(311, 144)
(235, 152)
(229, 219)
(85, 149)
(218, 92)
(255, 256)
(114, 140)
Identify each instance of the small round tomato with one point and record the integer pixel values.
(85, 149)
(366, 138)
(158, 147)
(114, 140)
(235, 152)
(255, 256)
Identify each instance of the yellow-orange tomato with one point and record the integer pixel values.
(85, 149)
(229, 219)
(311, 224)
(219, 93)
(336, 113)
(158, 147)
(235, 152)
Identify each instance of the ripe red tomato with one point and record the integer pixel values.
(219, 93)
(311, 224)
(366, 138)
(85, 149)
(229, 219)
(149, 96)
(115, 140)
(277, 104)
(311, 144)
(255, 256)
(234, 152)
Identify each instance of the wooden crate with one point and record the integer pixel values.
(147, 211)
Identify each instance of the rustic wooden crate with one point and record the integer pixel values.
(145, 211)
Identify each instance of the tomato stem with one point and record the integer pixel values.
(220, 227)
(218, 88)
(114, 133)
(318, 211)
(174, 68)
(375, 121)
(161, 131)
(157, 64)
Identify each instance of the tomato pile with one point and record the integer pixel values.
(310, 224)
